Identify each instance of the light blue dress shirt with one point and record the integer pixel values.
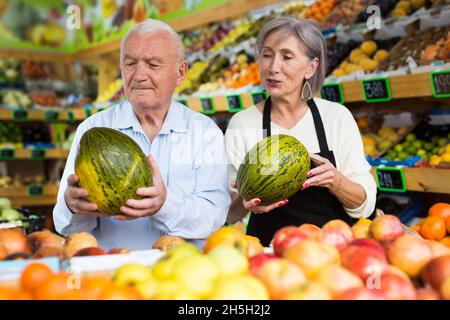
(190, 153)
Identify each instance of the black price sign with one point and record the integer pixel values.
(20, 115)
(35, 190)
(376, 90)
(259, 96)
(440, 82)
(390, 179)
(207, 105)
(37, 154)
(183, 101)
(7, 154)
(51, 115)
(234, 102)
(332, 92)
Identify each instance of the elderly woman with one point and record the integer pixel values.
(291, 55)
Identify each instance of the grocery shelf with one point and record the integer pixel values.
(29, 153)
(78, 114)
(434, 180)
(194, 20)
(20, 196)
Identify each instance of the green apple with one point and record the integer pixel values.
(244, 287)
(198, 273)
(173, 290)
(132, 274)
(148, 288)
(230, 260)
(163, 269)
(410, 137)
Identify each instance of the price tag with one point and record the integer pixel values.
(71, 116)
(88, 112)
(440, 82)
(51, 115)
(207, 105)
(35, 190)
(183, 101)
(376, 90)
(259, 96)
(234, 102)
(20, 115)
(390, 179)
(332, 92)
(7, 154)
(37, 154)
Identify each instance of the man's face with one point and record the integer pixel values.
(150, 69)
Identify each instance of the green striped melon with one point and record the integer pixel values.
(273, 170)
(111, 167)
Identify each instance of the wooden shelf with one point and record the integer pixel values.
(434, 180)
(79, 114)
(25, 154)
(20, 198)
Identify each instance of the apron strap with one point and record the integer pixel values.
(320, 131)
(266, 118)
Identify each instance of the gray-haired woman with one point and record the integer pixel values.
(291, 55)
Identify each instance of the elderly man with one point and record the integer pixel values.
(190, 196)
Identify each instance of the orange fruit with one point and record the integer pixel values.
(116, 292)
(446, 241)
(433, 228)
(23, 295)
(448, 225)
(7, 293)
(57, 287)
(34, 275)
(416, 228)
(93, 287)
(440, 209)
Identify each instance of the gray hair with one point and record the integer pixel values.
(310, 37)
(150, 26)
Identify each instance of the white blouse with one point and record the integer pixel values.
(343, 138)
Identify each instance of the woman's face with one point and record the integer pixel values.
(283, 65)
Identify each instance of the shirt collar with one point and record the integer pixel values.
(174, 121)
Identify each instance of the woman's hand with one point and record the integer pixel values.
(154, 197)
(324, 175)
(253, 204)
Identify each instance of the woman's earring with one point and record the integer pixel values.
(309, 88)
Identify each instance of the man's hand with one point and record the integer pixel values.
(253, 204)
(155, 197)
(75, 198)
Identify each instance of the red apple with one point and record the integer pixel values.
(337, 279)
(309, 229)
(360, 293)
(395, 287)
(258, 261)
(427, 294)
(436, 271)
(311, 256)
(369, 244)
(386, 228)
(364, 262)
(281, 276)
(118, 251)
(309, 291)
(285, 238)
(410, 253)
(336, 233)
(89, 251)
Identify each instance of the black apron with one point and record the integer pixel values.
(314, 205)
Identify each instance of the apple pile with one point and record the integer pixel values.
(14, 245)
